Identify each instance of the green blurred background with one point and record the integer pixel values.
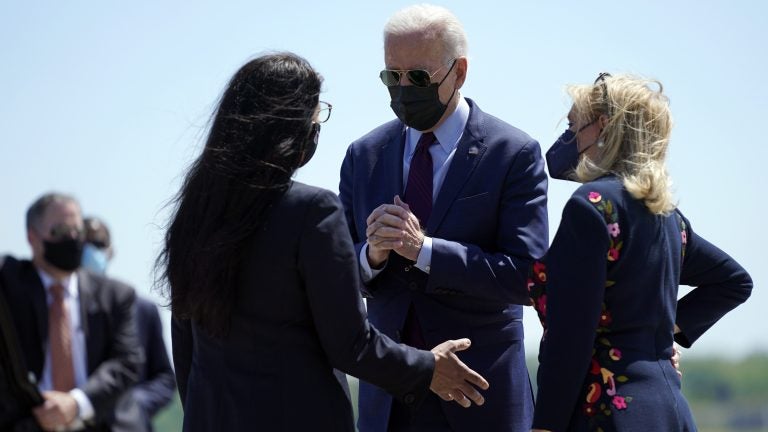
(725, 395)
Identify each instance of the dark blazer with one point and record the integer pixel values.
(155, 389)
(489, 221)
(608, 296)
(113, 354)
(298, 315)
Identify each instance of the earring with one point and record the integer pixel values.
(601, 143)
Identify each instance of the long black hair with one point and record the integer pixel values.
(255, 144)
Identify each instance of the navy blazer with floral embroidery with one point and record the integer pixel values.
(607, 296)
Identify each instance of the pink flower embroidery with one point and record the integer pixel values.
(615, 354)
(595, 197)
(613, 230)
(684, 236)
(619, 402)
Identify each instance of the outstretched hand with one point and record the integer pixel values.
(452, 380)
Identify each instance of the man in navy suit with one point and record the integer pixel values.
(447, 207)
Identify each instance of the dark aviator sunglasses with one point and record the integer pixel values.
(417, 77)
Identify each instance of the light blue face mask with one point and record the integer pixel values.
(95, 259)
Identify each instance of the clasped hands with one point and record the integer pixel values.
(393, 227)
(57, 412)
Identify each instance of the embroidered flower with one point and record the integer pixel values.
(595, 197)
(613, 230)
(613, 254)
(619, 402)
(684, 236)
(540, 270)
(605, 318)
(614, 354)
(595, 369)
(593, 393)
(530, 284)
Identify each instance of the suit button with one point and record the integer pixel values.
(407, 268)
(409, 399)
(413, 286)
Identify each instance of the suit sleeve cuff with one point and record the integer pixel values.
(424, 260)
(85, 411)
(366, 272)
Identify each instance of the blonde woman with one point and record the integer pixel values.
(607, 291)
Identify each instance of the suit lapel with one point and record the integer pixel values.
(391, 155)
(39, 305)
(469, 152)
(85, 295)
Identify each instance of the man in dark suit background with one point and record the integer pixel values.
(154, 390)
(76, 330)
(447, 206)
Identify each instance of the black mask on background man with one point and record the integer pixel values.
(419, 107)
(64, 254)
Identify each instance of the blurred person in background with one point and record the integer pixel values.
(155, 388)
(75, 329)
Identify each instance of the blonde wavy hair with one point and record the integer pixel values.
(635, 138)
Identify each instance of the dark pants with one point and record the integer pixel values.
(429, 417)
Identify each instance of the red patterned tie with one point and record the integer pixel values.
(60, 341)
(418, 191)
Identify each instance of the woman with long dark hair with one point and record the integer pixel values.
(262, 275)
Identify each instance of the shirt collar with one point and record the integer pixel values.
(448, 133)
(69, 283)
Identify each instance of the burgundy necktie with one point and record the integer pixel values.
(418, 191)
(60, 341)
(418, 195)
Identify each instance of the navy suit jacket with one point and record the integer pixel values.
(298, 315)
(113, 354)
(608, 297)
(489, 221)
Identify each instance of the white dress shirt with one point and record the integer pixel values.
(448, 135)
(72, 300)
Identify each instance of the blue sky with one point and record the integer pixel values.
(109, 101)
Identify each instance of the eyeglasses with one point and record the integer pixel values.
(323, 112)
(417, 77)
(63, 231)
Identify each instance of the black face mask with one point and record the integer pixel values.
(419, 107)
(64, 254)
(310, 146)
